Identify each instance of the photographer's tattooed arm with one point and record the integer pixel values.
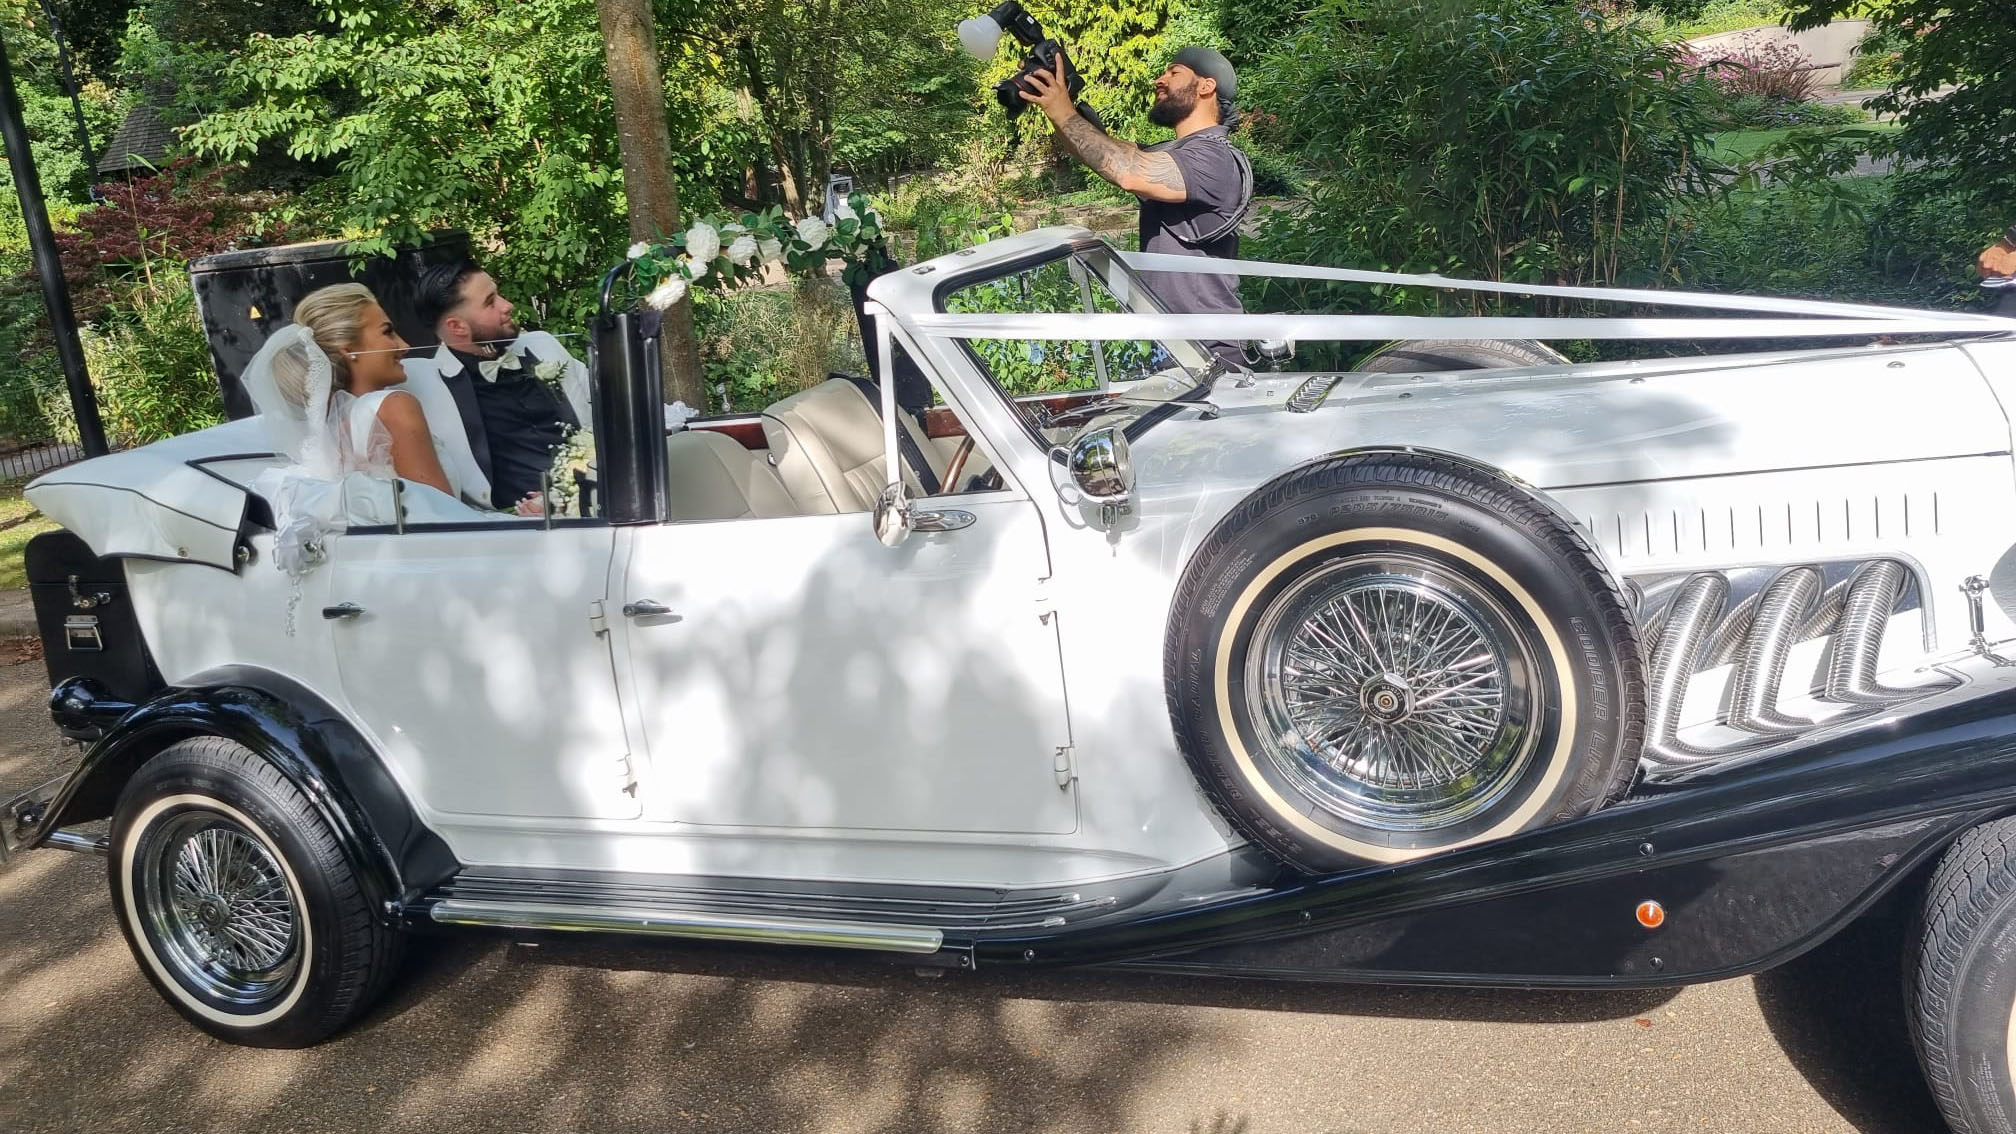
(1152, 176)
(1144, 174)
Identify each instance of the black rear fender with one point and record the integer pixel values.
(289, 726)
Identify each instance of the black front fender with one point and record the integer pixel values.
(321, 753)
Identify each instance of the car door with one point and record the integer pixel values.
(473, 659)
(803, 675)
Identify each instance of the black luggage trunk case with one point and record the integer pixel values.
(85, 616)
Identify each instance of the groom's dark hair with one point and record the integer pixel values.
(440, 289)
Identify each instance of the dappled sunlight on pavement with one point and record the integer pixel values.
(569, 1033)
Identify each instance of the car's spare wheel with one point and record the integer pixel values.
(1421, 355)
(1382, 656)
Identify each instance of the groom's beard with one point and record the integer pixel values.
(496, 338)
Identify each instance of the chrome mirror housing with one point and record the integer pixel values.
(1100, 466)
(892, 515)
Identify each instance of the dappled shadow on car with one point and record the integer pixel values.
(1839, 1013)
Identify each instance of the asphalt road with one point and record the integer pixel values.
(491, 1034)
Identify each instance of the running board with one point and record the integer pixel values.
(688, 923)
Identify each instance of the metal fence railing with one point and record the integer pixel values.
(33, 460)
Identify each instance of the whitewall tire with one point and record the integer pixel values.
(1385, 656)
(237, 901)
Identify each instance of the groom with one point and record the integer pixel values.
(516, 395)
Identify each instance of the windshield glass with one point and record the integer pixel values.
(1061, 386)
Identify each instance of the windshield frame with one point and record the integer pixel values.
(1098, 258)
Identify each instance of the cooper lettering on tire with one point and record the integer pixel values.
(1383, 656)
(237, 901)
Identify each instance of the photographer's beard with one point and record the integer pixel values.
(1173, 105)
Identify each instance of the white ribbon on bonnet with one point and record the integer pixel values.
(1815, 318)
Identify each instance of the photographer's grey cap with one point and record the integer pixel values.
(1211, 65)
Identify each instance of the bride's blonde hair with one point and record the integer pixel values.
(335, 316)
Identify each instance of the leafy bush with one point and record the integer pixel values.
(1876, 59)
(150, 367)
(1903, 243)
(1492, 138)
(762, 344)
(1959, 141)
(145, 223)
(1768, 66)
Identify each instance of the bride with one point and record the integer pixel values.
(327, 387)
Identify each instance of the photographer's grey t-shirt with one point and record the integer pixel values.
(1216, 186)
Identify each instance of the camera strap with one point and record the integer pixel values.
(1232, 222)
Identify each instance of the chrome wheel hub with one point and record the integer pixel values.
(219, 908)
(1393, 692)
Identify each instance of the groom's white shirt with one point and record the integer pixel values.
(425, 380)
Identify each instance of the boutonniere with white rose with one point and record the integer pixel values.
(721, 254)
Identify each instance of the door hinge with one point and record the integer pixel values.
(1064, 767)
(598, 618)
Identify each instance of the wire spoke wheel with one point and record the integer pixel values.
(1393, 692)
(217, 904)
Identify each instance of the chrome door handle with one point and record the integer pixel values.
(342, 610)
(645, 608)
(942, 520)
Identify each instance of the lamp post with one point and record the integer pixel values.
(70, 85)
(49, 266)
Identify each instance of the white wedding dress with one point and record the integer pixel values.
(338, 472)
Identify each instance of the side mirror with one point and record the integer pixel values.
(1100, 467)
(892, 515)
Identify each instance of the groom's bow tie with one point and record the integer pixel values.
(488, 368)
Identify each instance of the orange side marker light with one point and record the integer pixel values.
(1651, 914)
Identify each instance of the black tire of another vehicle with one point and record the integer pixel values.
(1379, 657)
(237, 901)
(1428, 355)
(1961, 977)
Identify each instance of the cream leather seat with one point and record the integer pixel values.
(826, 445)
(710, 476)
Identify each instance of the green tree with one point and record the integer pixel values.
(492, 116)
(875, 81)
(1964, 141)
(1489, 138)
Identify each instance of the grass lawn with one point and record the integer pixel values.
(21, 523)
(1741, 145)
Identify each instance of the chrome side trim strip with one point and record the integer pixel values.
(99, 845)
(689, 923)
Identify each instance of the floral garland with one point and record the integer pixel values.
(699, 258)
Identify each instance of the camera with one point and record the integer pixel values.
(981, 35)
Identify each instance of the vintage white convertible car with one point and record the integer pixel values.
(1465, 664)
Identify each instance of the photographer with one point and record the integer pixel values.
(1194, 190)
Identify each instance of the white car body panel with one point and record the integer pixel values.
(822, 707)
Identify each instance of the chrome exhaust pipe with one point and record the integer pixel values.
(1753, 694)
(1726, 644)
(1858, 639)
(1832, 603)
(1697, 605)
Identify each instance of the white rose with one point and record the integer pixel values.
(742, 251)
(768, 249)
(842, 210)
(702, 242)
(732, 229)
(812, 231)
(696, 268)
(639, 248)
(666, 294)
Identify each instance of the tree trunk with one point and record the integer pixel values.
(630, 46)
